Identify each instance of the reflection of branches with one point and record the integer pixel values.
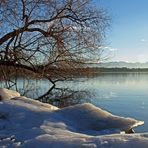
(46, 94)
(8, 83)
(62, 97)
(27, 87)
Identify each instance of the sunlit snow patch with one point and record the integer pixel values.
(29, 123)
(89, 117)
(6, 94)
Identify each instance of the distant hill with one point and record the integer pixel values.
(119, 65)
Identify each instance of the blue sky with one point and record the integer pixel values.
(127, 39)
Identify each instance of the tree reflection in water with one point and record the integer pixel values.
(42, 91)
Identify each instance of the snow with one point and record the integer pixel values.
(100, 119)
(28, 123)
(8, 94)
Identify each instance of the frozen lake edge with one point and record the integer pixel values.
(28, 123)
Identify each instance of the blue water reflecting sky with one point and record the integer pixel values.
(121, 94)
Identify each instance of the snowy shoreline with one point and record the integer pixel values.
(29, 123)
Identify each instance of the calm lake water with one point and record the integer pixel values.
(123, 94)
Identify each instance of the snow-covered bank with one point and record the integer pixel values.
(31, 124)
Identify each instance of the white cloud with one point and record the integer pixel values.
(112, 49)
(109, 48)
(143, 40)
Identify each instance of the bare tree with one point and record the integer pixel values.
(49, 38)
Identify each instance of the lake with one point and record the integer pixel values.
(123, 94)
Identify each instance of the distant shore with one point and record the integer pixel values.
(116, 70)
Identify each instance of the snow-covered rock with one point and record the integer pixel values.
(33, 104)
(28, 123)
(6, 94)
(94, 118)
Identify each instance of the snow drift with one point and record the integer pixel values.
(29, 123)
(89, 117)
(6, 94)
